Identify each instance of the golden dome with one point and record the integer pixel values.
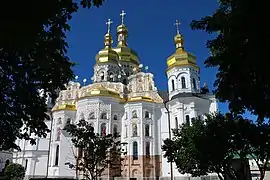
(127, 54)
(107, 54)
(181, 57)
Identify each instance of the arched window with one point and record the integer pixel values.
(91, 115)
(147, 114)
(126, 129)
(7, 163)
(134, 129)
(183, 81)
(147, 149)
(150, 86)
(194, 83)
(135, 150)
(115, 117)
(187, 120)
(147, 130)
(115, 133)
(68, 121)
(173, 86)
(103, 129)
(176, 123)
(59, 121)
(102, 77)
(58, 135)
(25, 165)
(104, 116)
(134, 114)
(56, 161)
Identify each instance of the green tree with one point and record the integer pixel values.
(210, 146)
(33, 56)
(257, 140)
(96, 152)
(239, 53)
(14, 172)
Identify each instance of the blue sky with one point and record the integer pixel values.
(151, 31)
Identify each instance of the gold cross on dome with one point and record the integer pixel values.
(109, 22)
(177, 24)
(123, 15)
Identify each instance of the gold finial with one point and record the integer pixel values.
(109, 22)
(177, 24)
(122, 31)
(178, 38)
(122, 16)
(108, 38)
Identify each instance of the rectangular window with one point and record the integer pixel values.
(56, 162)
(147, 149)
(26, 163)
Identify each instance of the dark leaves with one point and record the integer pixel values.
(238, 52)
(33, 51)
(89, 3)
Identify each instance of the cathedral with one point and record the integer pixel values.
(122, 98)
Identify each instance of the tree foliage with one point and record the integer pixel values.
(14, 172)
(33, 56)
(210, 146)
(97, 152)
(239, 53)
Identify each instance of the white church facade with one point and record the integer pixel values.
(122, 98)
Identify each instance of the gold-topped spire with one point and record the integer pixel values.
(122, 32)
(108, 37)
(180, 57)
(178, 38)
(107, 54)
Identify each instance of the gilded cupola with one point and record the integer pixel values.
(107, 54)
(125, 53)
(180, 57)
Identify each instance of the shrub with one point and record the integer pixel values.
(14, 172)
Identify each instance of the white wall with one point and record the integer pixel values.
(176, 73)
(192, 106)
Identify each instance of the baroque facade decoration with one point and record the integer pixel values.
(122, 98)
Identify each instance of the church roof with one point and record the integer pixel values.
(180, 57)
(181, 95)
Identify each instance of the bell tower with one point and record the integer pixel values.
(182, 71)
(107, 67)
